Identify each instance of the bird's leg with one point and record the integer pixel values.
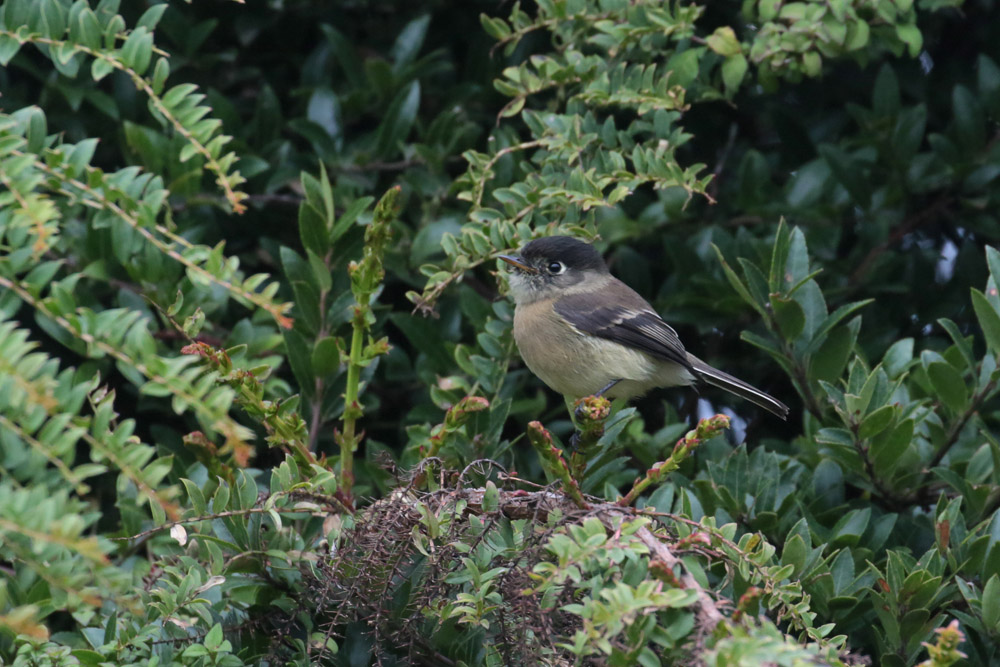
(608, 387)
(578, 412)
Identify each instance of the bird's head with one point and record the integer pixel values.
(553, 265)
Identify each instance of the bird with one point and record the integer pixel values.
(584, 332)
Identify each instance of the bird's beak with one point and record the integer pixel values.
(518, 263)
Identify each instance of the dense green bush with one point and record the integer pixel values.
(259, 397)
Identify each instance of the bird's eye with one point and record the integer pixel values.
(555, 268)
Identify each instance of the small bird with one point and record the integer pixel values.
(584, 332)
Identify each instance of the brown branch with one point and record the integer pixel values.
(173, 334)
(538, 506)
(708, 613)
(897, 235)
(398, 165)
(958, 425)
(221, 515)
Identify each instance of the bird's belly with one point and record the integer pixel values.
(578, 365)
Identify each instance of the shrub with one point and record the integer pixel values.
(260, 401)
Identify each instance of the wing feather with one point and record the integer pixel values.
(634, 325)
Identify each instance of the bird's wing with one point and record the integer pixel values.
(634, 325)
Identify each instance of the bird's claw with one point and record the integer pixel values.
(574, 441)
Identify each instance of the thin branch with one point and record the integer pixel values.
(708, 613)
(898, 233)
(959, 424)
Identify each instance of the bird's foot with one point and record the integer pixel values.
(574, 441)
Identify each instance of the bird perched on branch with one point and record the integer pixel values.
(584, 332)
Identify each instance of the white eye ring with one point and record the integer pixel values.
(555, 268)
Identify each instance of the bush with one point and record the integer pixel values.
(260, 401)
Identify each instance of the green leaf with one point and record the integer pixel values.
(898, 357)
(789, 316)
(779, 258)
(795, 553)
(961, 342)
(849, 529)
(833, 318)
(842, 572)
(812, 63)
(989, 84)
(829, 361)
(100, 68)
(88, 657)
(398, 120)
(312, 230)
(887, 448)
(849, 173)
(683, 66)
(324, 110)
(734, 68)
(968, 120)
(910, 35)
(989, 320)
(409, 42)
(325, 357)
(300, 359)
(768, 9)
(765, 344)
(993, 261)
(195, 651)
(160, 73)
(908, 133)
(37, 129)
(723, 41)
(948, 385)
(797, 265)
(8, 48)
(151, 17)
(111, 628)
(320, 271)
(991, 604)
(877, 421)
(307, 304)
(425, 337)
(137, 51)
(213, 640)
(857, 35)
(755, 281)
(84, 28)
(195, 497)
(737, 284)
(53, 16)
(495, 27)
(885, 95)
(348, 217)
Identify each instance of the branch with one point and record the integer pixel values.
(708, 613)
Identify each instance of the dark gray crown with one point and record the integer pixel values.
(574, 253)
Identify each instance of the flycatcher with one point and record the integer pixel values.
(584, 332)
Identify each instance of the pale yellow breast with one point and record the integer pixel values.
(576, 364)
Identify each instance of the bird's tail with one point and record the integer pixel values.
(736, 386)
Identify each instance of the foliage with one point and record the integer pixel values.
(226, 439)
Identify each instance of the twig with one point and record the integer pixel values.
(958, 425)
(706, 430)
(708, 613)
(228, 513)
(897, 235)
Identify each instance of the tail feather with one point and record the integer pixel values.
(715, 377)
